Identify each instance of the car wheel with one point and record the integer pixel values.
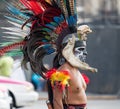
(13, 99)
(11, 106)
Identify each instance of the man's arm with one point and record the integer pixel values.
(57, 98)
(49, 104)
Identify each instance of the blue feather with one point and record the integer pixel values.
(14, 20)
(17, 12)
(59, 19)
(62, 18)
(72, 21)
(50, 26)
(17, 20)
(54, 24)
(47, 46)
(50, 50)
(47, 30)
(44, 40)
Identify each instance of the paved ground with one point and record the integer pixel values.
(94, 102)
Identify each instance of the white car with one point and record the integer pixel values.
(22, 92)
(5, 99)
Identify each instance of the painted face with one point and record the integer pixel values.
(81, 52)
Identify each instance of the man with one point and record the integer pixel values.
(76, 93)
(53, 28)
(74, 96)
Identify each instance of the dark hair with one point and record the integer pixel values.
(50, 92)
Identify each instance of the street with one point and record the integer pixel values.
(92, 104)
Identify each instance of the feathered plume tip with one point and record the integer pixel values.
(51, 19)
(10, 47)
(44, 25)
(47, 10)
(32, 5)
(58, 78)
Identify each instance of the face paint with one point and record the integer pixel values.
(81, 53)
(80, 50)
(69, 55)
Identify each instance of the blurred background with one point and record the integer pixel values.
(103, 16)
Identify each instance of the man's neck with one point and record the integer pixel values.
(70, 66)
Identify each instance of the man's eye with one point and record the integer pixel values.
(81, 49)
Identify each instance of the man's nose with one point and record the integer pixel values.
(85, 53)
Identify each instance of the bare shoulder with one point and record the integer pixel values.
(64, 67)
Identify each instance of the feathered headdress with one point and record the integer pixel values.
(46, 24)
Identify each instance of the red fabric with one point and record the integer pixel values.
(86, 78)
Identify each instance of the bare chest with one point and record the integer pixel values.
(77, 83)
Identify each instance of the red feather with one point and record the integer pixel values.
(33, 5)
(9, 47)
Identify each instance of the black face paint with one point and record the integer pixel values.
(80, 50)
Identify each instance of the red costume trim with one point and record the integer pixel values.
(86, 78)
(58, 78)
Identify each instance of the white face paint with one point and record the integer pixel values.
(81, 53)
